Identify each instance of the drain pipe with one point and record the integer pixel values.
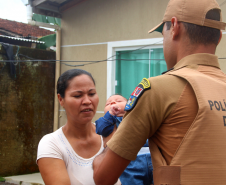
(57, 67)
(57, 75)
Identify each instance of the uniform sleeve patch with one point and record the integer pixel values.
(136, 94)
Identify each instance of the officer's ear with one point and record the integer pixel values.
(220, 37)
(175, 26)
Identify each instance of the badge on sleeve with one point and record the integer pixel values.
(142, 86)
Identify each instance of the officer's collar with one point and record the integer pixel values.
(167, 71)
(198, 59)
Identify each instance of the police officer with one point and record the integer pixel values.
(182, 112)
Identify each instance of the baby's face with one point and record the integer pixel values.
(119, 101)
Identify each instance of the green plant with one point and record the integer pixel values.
(2, 179)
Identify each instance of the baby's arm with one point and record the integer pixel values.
(114, 111)
(110, 121)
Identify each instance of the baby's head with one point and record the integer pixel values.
(118, 100)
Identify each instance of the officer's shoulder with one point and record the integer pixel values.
(160, 85)
(165, 82)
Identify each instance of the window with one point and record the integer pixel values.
(124, 75)
(134, 65)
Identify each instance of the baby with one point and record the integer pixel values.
(138, 171)
(114, 111)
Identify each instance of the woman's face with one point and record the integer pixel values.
(81, 100)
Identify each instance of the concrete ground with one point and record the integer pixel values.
(30, 179)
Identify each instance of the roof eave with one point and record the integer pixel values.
(53, 9)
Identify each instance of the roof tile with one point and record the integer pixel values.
(23, 29)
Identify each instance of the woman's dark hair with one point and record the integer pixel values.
(68, 75)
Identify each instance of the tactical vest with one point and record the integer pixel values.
(200, 158)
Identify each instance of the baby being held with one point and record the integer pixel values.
(114, 111)
(138, 171)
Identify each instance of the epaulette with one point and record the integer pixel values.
(142, 86)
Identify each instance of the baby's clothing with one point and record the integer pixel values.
(139, 171)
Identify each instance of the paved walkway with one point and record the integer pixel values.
(30, 179)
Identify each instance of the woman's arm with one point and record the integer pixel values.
(107, 167)
(53, 171)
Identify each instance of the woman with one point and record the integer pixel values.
(65, 157)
